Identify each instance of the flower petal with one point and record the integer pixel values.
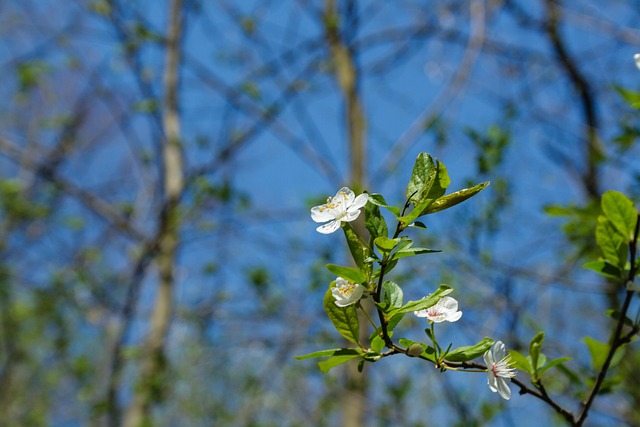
(503, 388)
(351, 215)
(345, 195)
(329, 227)
(499, 351)
(321, 214)
(454, 316)
(360, 201)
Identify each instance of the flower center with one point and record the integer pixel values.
(347, 289)
(334, 202)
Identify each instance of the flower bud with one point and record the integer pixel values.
(414, 350)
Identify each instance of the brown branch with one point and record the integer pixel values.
(594, 151)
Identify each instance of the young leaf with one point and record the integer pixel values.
(598, 351)
(552, 363)
(423, 303)
(326, 365)
(377, 344)
(330, 352)
(413, 251)
(374, 221)
(534, 349)
(611, 242)
(422, 179)
(349, 273)
(445, 202)
(385, 245)
(358, 249)
(392, 294)
(378, 200)
(469, 352)
(521, 362)
(621, 212)
(344, 319)
(604, 268)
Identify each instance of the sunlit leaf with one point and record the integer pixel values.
(344, 319)
(469, 352)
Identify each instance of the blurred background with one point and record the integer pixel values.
(158, 159)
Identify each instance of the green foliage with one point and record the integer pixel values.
(420, 304)
(374, 221)
(349, 273)
(344, 319)
(614, 230)
(536, 363)
(427, 186)
(359, 250)
(469, 352)
(630, 96)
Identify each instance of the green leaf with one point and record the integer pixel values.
(428, 351)
(377, 344)
(418, 224)
(422, 179)
(330, 352)
(413, 251)
(621, 212)
(615, 314)
(521, 362)
(632, 97)
(358, 249)
(611, 242)
(378, 200)
(349, 273)
(469, 352)
(326, 365)
(392, 294)
(423, 303)
(453, 199)
(384, 244)
(604, 268)
(534, 349)
(374, 221)
(553, 363)
(344, 319)
(598, 351)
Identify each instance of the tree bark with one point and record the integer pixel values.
(153, 364)
(346, 74)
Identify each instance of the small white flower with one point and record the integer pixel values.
(346, 292)
(345, 206)
(499, 369)
(445, 309)
(637, 58)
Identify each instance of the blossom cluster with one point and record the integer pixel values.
(345, 207)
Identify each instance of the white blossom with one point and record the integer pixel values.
(346, 292)
(446, 309)
(637, 58)
(343, 207)
(499, 370)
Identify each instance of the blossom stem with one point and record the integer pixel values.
(367, 316)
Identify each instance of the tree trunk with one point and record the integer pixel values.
(152, 366)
